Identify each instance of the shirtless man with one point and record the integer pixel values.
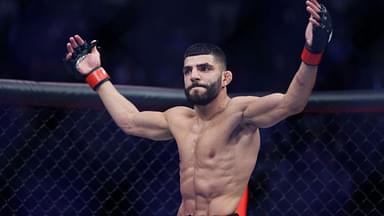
(218, 139)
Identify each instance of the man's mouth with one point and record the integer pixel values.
(197, 86)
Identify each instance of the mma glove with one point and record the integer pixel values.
(95, 77)
(321, 36)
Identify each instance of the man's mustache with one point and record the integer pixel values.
(197, 85)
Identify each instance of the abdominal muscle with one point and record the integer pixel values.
(211, 186)
(216, 161)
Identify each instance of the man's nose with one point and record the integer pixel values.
(195, 75)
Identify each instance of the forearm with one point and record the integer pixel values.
(117, 105)
(301, 87)
(318, 34)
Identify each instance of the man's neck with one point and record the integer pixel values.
(215, 107)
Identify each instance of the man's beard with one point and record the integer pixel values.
(203, 99)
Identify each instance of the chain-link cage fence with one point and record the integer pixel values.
(77, 162)
(321, 164)
(60, 159)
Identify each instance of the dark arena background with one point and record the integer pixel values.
(61, 153)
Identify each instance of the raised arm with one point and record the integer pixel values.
(267, 111)
(85, 59)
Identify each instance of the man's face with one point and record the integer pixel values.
(202, 78)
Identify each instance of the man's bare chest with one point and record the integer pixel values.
(212, 142)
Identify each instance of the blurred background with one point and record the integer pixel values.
(143, 41)
(64, 161)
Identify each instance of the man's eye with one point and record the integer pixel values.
(186, 71)
(204, 68)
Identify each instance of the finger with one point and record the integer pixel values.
(73, 42)
(94, 48)
(313, 6)
(79, 40)
(314, 22)
(316, 3)
(68, 56)
(69, 51)
(313, 13)
(69, 48)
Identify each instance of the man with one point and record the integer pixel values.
(218, 140)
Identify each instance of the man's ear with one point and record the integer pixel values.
(227, 78)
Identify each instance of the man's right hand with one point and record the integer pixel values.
(82, 56)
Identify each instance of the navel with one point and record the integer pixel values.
(211, 154)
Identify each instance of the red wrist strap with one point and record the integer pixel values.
(310, 58)
(97, 77)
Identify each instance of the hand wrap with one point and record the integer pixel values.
(96, 77)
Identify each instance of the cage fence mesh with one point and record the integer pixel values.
(56, 161)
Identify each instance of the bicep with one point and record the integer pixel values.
(147, 124)
(266, 111)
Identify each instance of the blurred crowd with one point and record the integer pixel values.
(142, 42)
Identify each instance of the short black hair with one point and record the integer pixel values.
(207, 49)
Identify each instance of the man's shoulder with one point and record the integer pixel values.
(179, 111)
(242, 100)
(178, 117)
